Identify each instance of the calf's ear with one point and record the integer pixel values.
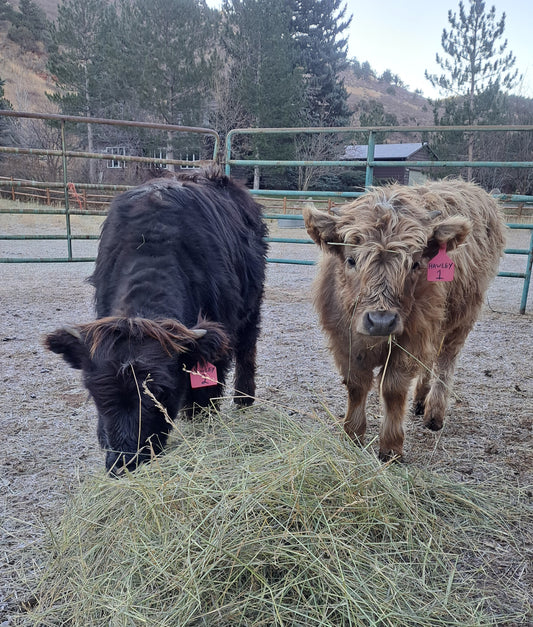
(322, 227)
(68, 342)
(211, 343)
(451, 231)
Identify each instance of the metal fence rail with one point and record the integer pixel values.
(66, 186)
(64, 154)
(370, 163)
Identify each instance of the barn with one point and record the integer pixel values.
(402, 173)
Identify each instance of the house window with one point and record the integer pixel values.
(191, 159)
(116, 150)
(159, 153)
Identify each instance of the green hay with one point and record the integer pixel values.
(252, 518)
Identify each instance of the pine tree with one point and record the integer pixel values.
(4, 103)
(7, 12)
(318, 27)
(170, 51)
(77, 63)
(29, 25)
(477, 61)
(263, 71)
(5, 122)
(34, 19)
(477, 69)
(372, 113)
(264, 66)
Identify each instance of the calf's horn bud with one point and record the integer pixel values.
(73, 331)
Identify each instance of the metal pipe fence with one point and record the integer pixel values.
(85, 195)
(67, 186)
(370, 164)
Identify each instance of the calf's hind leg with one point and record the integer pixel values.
(245, 358)
(421, 391)
(444, 368)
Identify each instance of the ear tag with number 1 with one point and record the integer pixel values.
(204, 375)
(441, 267)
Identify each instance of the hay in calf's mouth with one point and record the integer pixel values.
(252, 518)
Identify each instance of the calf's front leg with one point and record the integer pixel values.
(394, 388)
(355, 419)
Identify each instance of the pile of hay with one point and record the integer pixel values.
(252, 518)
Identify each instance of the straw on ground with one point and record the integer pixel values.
(252, 518)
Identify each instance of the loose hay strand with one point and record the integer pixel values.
(421, 364)
(252, 518)
(385, 367)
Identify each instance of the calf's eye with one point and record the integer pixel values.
(350, 262)
(415, 266)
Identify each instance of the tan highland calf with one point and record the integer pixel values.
(375, 293)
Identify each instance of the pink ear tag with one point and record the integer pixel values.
(441, 267)
(204, 376)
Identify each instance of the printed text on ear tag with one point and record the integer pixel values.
(441, 267)
(204, 375)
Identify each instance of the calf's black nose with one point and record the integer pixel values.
(380, 322)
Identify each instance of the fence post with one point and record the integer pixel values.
(527, 278)
(369, 178)
(227, 168)
(65, 186)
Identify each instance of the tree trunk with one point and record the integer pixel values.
(90, 131)
(471, 111)
(170, 152)
(470, 155)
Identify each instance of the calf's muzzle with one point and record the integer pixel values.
(117, 463)
(380, 322)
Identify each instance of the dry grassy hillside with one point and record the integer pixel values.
(410, 109)
(25, 76)
(27, 81)
(24, 73)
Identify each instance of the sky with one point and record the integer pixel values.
(404, 36)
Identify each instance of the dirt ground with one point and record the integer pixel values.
(48, 423)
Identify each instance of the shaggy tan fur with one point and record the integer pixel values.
(374, 266)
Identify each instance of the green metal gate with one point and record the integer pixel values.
(67, 186)
(370, 164)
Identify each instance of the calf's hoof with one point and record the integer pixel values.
(390, 456)
(244, 401)
(419, 408)
(116, 464)
(433, 422)
(357, 438)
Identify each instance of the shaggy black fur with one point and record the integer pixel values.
(178, 280)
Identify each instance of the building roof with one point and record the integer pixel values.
(384, 151)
